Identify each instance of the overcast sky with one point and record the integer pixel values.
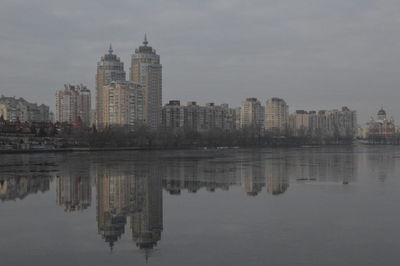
(316, 54)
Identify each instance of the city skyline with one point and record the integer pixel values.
(313, 55)
(127, 76)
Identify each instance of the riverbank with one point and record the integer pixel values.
(86, 149)
(57, 145)
(75, 150)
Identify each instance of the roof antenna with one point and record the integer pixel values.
(145, 42)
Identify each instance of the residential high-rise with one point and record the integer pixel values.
(173, 115)
(109, 68)
(193, 117)
(252, 113)
(299, 123)
(124, 102)
(13, 109)
(325, 124)
(73, 104)
(146, 70)
(276, 115)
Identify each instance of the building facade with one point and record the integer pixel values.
(276, 115)
(197, 118)
(325, 124)
(173, 116)
(299, 123)
(73, 104)
(124, 102)
(146, 70)
(13, 109)
(252, 113)
(109, 68)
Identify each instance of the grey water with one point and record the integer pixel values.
(295, 206)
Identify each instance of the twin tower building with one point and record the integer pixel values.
(134, 102)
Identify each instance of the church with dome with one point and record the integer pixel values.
(382, 127)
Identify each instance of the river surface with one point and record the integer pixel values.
(304, 206)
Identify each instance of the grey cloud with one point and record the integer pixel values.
(314, 53)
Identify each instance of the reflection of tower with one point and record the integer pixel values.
(277, 177)
(174, 180)
(146, 220)
(253, 179)
(74, 193)
(191, 179)
(112, 202)
(130, 190)
(324, 165)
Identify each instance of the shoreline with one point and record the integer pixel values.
(65, 150)
(73, 150)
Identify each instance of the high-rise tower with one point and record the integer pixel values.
(276, 115)
(109, 68)
(252, 113)
(73, 103)
(146, 70)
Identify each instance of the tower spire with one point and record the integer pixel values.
(145, 42)
(110, 50)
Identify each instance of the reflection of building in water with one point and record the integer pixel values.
(381, 164)
(74, 192)
(133, 190)
(324, 166)
(193, 175)
(175, 170)
(257, 170)
(19, 187)
(112, 204)
(146, 219)
(276, 175)
(253, 177)
(127, 192)
(250, 174)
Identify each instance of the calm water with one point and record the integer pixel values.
(314, 206)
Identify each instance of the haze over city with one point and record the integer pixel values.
(314, 54)
(199, 132)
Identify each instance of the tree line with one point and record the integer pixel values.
(144, 137)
